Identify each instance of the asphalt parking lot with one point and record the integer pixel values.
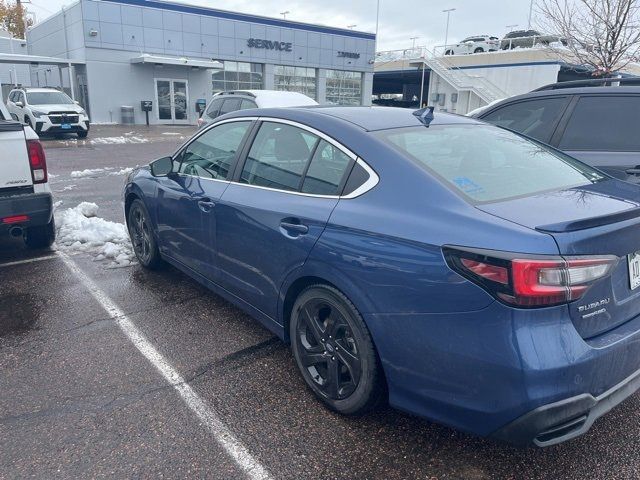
(122, 372)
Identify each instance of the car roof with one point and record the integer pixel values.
(36, 89)
(367, 118)
(567, 91)
(272, 98)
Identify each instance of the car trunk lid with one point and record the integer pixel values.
(598, 219)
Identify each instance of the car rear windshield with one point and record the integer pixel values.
(489, 164)
(48, 98)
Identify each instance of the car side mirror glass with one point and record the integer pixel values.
(162, 167)
(19, 104)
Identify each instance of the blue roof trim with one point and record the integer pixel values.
(182, 8)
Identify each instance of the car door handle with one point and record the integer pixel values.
(295, 228)
(206, 205)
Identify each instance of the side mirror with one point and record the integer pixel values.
(19, 104)
(76, 102)
(162, 167)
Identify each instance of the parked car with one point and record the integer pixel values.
(528, 39)
(26, 208)
(225, 102)
(477, 44)
(589, 121)
(482, 279)
(48, 111)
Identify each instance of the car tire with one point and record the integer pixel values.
(27, 120)
(449, 52)
(41, 236)
(142, 237)
(479, 50)
(83, 134)
(334, 351)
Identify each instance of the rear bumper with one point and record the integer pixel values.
(560, 421)
(522, 376)
(37, 206)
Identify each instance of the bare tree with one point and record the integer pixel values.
(602, 34)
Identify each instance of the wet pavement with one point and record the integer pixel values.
(79, 400)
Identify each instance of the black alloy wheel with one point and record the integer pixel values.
(334, 351)
(141, 234)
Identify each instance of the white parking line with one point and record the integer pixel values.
(225, 438)
(28, 260)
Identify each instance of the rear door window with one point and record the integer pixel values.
(487, 164)
(604, 123)
(278, 156)
(326, 171)
(246, 104)
(534, 118)
(230, 105)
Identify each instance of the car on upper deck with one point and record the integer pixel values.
(461, 271)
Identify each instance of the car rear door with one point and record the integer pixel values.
(270, 217)
(186, 201)
(601, 130)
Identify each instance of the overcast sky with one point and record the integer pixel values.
(399, 19)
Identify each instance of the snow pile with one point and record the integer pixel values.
(170, 133)
(118, 140)
(81, 230)
(89, 172)
(123, 171)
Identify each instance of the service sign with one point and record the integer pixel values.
(270, 45)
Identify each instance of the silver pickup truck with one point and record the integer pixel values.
(26, 205)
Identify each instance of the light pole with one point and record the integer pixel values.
(446, 32)
(377, 18)
(285, 13)
(511, 27)
(351, 27)
(413, 45)
(530, 14)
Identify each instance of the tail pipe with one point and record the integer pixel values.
(16, 231)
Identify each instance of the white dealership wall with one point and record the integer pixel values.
(511, 79)
(107, 34)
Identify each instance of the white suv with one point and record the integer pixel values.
(225, 102)
(48, 111)
(477, 44)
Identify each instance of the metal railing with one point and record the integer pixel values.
(532, 41)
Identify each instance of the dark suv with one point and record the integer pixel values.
(595, 121)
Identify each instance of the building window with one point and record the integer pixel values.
(344, 88)
(238, 76)
(295, 79)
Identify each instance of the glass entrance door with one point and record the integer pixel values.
(172, 98)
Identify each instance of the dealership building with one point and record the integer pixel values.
(125, 52)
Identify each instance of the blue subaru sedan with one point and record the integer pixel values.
(457, 270)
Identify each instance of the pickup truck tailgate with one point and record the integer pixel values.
(15, 170)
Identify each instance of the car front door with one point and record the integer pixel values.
(187, 199)
(270, 217)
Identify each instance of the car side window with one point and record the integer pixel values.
(246, 104)
(326, 171)
(230, 105)
(214, 108)
(603, 123)
(278, 156)
(535, 118)
(211, 154)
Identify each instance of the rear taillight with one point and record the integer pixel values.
(37, 161)
(530, 282)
